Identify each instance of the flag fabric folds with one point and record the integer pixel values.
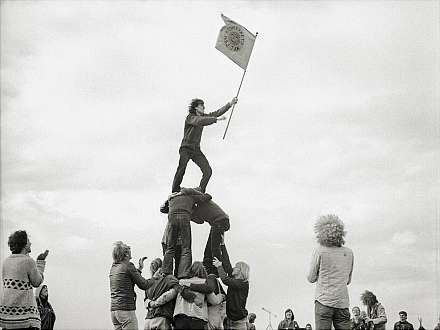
(236, 42)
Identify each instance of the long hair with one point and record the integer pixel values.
(194, 103)
(119, 251)
(329, 230)
(244, 270)
(289, 310)
(197, 270)
(17, 241)
(155, 265)
(368, 298)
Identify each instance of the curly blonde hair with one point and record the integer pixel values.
(329, 230)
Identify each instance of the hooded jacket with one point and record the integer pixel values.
(47, 313)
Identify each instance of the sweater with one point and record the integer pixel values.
(192, 132)
(18, 307)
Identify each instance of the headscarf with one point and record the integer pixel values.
(47, 313)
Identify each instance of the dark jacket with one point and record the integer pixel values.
(123, 277)
(238, 290)
(192, 133)
(185, 200)
(160, 286)
(288, 324)
(212, 214)
(403, 326)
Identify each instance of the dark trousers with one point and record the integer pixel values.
(212, 249)
(180, 226)
(177, 254)
(186, 322)
(199, 159)
(325, 316)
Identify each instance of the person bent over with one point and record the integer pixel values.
(219, 222)
(180, 207)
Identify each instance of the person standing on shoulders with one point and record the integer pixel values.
(192, 135)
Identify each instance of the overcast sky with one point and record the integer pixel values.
(338, 113)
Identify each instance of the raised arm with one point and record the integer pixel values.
(312, 277)
(137, 278)
(226, 263)
(195, 120)
(35, 273)
(223, 109)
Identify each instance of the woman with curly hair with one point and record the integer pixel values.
(331, 268)
(376, 316)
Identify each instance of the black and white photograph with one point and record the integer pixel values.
(188, 164)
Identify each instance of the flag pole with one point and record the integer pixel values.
(238, 92)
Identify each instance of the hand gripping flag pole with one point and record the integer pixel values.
(236, 42)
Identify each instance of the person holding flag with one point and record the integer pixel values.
(190, 146)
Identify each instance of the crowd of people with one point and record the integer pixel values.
(180, 293)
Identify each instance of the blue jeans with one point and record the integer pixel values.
(325, 316)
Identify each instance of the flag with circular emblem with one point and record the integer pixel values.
(236, 42)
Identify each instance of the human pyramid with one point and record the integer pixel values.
(200, 300)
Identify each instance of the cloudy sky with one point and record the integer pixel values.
(338, 113)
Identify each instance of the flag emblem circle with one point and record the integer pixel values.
(233, 38)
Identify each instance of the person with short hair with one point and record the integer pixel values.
(331, 268)
(20, 273)
(237, 280)
(289, 321)
(376, 316)
(358, 322)
(190, 145)
(47, 314)
(403, 324)
(123, 277)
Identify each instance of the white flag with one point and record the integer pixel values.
(236, 42)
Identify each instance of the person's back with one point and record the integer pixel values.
(122, 293)
(161, 285)
(335, 267)
(331, 268)
(191, 309)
